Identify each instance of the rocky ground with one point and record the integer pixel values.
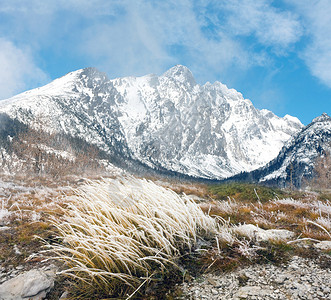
(299, 279)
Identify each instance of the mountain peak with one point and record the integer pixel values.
(92, 72)
(181, 74)
(90, 77)
(166, 122)
(322, 118)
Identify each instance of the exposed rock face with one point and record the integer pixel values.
(166, 122)
(296, 161)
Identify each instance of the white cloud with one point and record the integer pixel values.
(90, 7)
(214, 38)
(318, 58)
(317, 22)
(271, 26)
(126, 37)
(150, 37)
(18, 70)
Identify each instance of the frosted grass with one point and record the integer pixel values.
(124, 231)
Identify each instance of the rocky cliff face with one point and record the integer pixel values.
(166, 122)
(296, 161)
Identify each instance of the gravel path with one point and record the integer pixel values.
(299, 279)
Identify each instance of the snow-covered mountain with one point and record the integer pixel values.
(296, 161)
(166, 122)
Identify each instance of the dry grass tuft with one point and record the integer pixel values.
(120, 234)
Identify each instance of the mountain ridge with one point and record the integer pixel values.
(296, 162)
(167, 121)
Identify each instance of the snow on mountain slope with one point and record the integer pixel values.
(300, 153)
(207, 131)
(166, 122)
(80, 104)
(296, 160)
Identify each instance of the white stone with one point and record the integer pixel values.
(324, 245)
(64, 296)
(259, 234)
(32, 285)
(3, 228)
(214, 291)
(243, 292)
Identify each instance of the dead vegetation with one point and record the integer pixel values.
(322, 179)
(34, 152)
(119, 236)
(123, 237)
(25, 208)
(43, 154)
(100, 221)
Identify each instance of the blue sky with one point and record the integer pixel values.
(276, 53)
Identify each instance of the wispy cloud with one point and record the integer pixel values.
(269, 25)
(135, 37)
(18, 69)
(205, 35)
(216, 39)
(317, 23)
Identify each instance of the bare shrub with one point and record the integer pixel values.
(322, 178)
(43, 153)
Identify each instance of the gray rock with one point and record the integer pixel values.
(214, 291)
(3, 228)
(253, 232)
(305, 281)
(280, 279)
(32, 285)
(246, 291)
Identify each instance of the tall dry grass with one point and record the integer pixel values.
(120, 233)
